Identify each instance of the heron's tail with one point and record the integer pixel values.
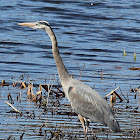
(113, 124)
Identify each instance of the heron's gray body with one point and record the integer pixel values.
(90, 104)
(84, 100)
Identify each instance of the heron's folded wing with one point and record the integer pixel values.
(86, 104)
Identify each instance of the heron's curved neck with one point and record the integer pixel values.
(62, 71)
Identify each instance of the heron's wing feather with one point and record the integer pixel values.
(86, 105)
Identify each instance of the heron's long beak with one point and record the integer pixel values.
(29, 24)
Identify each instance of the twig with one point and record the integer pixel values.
(101, 73)
(136, 89)
(118, 96)
(23, 85)
(10, 97)
(49, 88)
(60, 91)
(111, 92)
(13, 108)
(3, 83)
(30, 91)
(114, 91)
(21, 137)
(20, 97)
(123, 95)
(35, 97)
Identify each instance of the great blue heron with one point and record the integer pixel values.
(85, 101)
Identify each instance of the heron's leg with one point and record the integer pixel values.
(87, 125)
(83, 123)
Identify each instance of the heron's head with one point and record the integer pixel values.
(36, 25)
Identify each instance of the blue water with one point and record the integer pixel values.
(91, 36)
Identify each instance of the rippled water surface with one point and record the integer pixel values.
(91, 37)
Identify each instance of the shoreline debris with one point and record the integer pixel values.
(134, 68)
(3, 83)
(113, 94)
(124, 52)
(16, 110)
(31, 96)
(134, 56)
(114, 91)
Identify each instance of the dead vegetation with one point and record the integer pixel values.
(42, 101)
